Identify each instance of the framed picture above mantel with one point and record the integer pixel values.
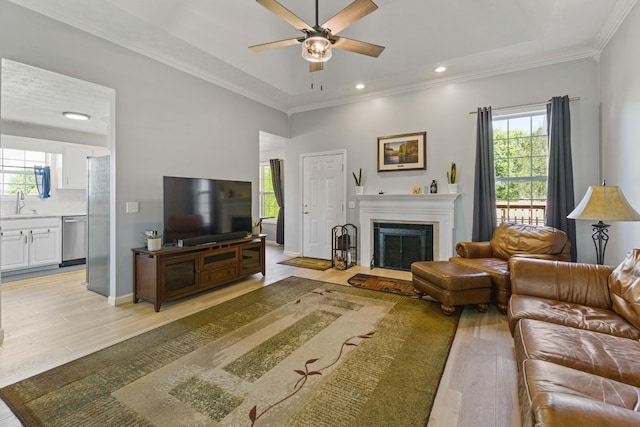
(402, 152)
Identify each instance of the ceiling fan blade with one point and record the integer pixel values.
(357, 46)
(315, 66)
(285, 14)
(271, 45)
(350, 14)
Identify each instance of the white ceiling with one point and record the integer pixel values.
(35, 97)
(210, 39)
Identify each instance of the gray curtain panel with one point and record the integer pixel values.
(560, 196)
(484, 194)
(278, 189)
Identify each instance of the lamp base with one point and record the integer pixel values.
(600, 238)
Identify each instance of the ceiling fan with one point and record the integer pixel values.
(318, 41)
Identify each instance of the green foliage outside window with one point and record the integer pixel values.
(521, 159)
(268, 203)
(16, 170)
(26, 183)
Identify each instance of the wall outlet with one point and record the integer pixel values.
(132, 207)
(352, 204)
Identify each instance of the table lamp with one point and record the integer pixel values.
(603, 203)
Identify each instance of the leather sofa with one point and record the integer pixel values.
(576, 331)
(508, 240)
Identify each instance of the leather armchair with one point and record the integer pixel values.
(511, 240)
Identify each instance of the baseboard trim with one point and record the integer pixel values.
(122, 299)
(291, 254)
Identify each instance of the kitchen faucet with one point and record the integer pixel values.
(19, 199)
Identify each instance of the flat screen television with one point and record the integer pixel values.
(197, 207)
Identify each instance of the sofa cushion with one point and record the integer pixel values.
(558, 409)
(624, 288)
(569, 314)
(545, 377)
(593, 352)
(510, 239)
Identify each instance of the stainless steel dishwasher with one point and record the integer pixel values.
(74, 240)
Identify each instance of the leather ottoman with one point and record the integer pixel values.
(452, 284)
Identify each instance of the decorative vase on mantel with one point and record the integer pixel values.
(359, 190)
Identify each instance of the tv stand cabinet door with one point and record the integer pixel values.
(178, 276)
(252, 258)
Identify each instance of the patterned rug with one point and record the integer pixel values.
(296, 353)
(312, 263)
(384, 284)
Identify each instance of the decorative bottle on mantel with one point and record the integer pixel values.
(434, 187)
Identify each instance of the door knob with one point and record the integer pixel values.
(306, 212)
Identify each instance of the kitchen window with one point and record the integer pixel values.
(16, 170)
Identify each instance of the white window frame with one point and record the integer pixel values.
(534, 212)
(26, 168)
(261, 192)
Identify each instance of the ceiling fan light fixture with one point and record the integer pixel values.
(316, 49)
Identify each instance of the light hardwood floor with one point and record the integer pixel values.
(53, 319)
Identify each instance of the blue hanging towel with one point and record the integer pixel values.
(43, 181)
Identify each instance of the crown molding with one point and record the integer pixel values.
(459, 78)
(278, 100)
(613, 22)
(87, 26)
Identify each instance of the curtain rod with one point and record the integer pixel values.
(532, 104)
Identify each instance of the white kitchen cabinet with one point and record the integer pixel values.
(14, 250)
(30, 243)
(72, 171)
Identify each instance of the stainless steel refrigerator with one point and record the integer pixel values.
(98, 225)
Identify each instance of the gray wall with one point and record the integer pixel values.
(167, 122)
(620, 96)
(443, 112)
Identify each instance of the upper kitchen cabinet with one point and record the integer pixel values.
(72, 165)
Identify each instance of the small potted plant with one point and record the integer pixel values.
(153, 240)
(358, 178)
(256, 227)
(452, 178)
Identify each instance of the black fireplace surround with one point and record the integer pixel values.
(397, 245)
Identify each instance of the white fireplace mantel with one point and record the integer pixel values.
(437, 209)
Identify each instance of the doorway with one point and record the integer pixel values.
(323, 200)
(41, 127)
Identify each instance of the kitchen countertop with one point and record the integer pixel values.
(29, 215)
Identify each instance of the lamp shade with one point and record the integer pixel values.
(604, 203)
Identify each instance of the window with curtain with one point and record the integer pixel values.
(521, 158)
(268, 203)
(16, 171)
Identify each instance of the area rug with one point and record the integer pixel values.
(312, 263)
(384, 284)
(296, 353)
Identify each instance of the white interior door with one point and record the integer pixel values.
(322, 202)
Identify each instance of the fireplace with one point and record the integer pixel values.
(437, 210)
(398, 245)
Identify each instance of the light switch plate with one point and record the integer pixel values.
(132, 207)
(352, 204)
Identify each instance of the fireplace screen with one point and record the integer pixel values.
(398, 245)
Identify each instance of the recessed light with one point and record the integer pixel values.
(76, 116)
(440, 69)
(360, 86)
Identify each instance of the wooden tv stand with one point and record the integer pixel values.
(174, 272)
